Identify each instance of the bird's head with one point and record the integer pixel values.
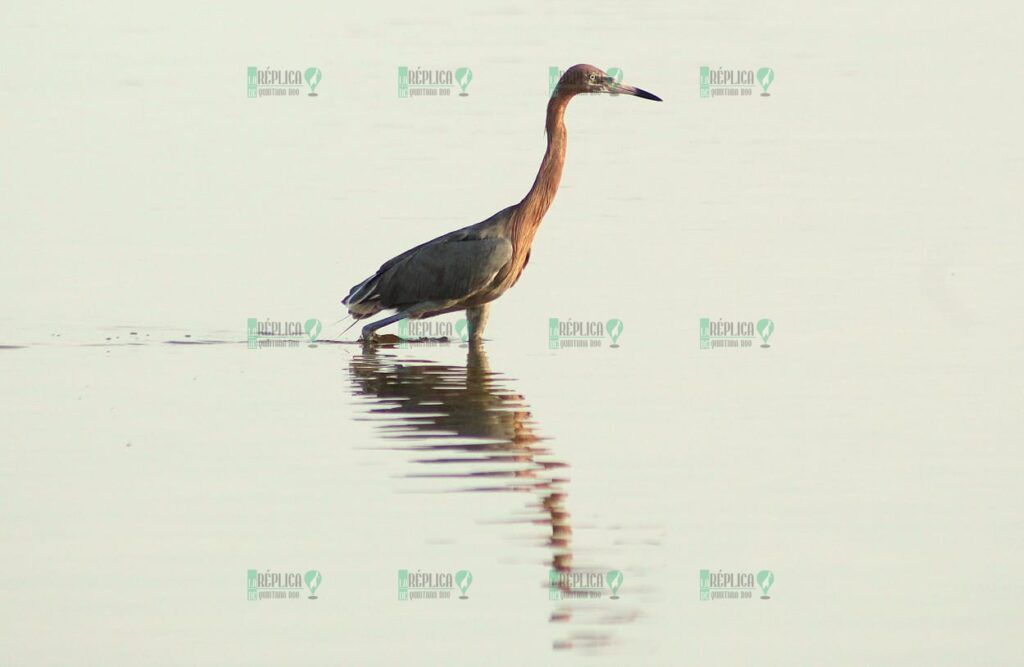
(589, 79)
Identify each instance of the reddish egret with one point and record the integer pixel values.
(470, 267)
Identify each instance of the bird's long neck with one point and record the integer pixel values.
(537, 201)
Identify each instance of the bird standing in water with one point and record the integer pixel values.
(470, 267)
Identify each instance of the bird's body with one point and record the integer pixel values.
(470, 267)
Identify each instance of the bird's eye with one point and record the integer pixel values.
(593, 77)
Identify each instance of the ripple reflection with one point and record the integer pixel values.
(473, 428)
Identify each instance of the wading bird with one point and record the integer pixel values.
(470, 267)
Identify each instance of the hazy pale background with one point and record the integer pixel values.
(871, 207)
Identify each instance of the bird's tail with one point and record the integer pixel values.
(362, 300)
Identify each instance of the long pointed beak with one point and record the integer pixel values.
(639, 92)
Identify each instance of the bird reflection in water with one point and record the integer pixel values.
(468, 418)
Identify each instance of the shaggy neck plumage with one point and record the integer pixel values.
(537, 201)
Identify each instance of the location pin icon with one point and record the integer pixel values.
(765, 76)
(313, 328)
(460, 328)
(313, 580)
(313, 76)
(615, 74)
(463, 579)
(765, 328)
(614, 579)
(463, 75)
(765, 579)
(614, 330)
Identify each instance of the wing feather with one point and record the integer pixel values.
(448, 271)
(449, 268)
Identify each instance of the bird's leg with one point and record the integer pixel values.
(373, 326)
(476, 318)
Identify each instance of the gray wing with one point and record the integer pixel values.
(445, 270)
(450, 270)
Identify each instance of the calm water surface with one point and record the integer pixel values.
(870, 458)
(475, 434)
